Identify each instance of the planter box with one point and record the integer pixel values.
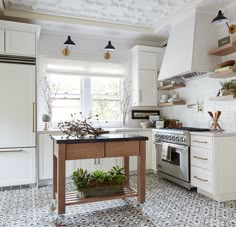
(101, 190)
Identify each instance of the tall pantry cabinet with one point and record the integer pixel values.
(18, 103)
(145, 67)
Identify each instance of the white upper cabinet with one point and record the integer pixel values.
(20, 43)
(148, 60)
(147, 83)
(1, 41)
(145, 65)
(18, 39)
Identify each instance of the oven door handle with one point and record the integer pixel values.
(172, 145)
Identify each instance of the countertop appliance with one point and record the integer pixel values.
(173, 153)
(17, 120)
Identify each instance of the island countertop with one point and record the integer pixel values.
(102, 138)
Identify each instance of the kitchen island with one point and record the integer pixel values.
(104, 146)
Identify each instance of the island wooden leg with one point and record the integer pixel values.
(61, 166)
(54, 184)
(126, 169)
(141, 181)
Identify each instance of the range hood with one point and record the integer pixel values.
(186, 56)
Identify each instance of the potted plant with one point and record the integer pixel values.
(46, 119)
(99, 183)
(228, 87)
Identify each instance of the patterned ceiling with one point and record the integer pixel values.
(143, 13)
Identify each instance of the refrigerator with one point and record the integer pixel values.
(17, 121)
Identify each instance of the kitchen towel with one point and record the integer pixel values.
(164, 151)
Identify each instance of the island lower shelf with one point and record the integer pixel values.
(72, 198)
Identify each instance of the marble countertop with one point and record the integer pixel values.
(101, 138)
(215, 134)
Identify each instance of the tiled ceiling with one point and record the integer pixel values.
(144, 13)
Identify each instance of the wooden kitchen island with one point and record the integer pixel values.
(104, 146)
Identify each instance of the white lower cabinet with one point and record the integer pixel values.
(17, 166)
(213, 165)
(45, 149)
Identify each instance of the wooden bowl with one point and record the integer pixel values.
(227, 63)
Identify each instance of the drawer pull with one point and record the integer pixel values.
(197, 141)
(10, 150)
(200, 179)
(200, 158)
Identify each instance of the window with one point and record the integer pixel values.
(87, 87)
(106, 98)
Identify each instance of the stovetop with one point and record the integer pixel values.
(189, 129)
(177, 135)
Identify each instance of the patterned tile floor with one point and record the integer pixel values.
(166, 205)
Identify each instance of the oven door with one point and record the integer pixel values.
(178, 163)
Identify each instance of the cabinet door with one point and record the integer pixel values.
(147, 88)
(148, 60)
(148, 148)
(17, 166)
(106, 164)
(2, 41)
(17, 99)
(46, 158)
(20, 43)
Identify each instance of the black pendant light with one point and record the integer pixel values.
(221, 19)
(69, 42)
(108, 47)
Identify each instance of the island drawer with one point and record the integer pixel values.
(84, 151)
(117, 149)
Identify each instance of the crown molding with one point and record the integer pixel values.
(70, 20)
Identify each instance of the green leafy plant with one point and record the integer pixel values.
(229, 86)
(81, 178)
(100, 176)
(117, 174)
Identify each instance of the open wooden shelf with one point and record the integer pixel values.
(224, 50)
(223, 98)
(172, 103)
(171, 86)
(72, 199)
(224, 74)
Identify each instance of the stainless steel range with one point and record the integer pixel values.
(173, 154)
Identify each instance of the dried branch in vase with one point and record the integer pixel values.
(49, 92)
(125, 99)
(80, 128)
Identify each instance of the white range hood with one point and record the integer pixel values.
(186, 55)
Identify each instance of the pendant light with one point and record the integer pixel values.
(221, 19)
(68, 42)
(108, 47)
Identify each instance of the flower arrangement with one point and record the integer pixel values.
(80, 128)
(99, 183)
(125, 100)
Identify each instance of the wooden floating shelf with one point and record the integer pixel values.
(72, 198)
(224, 74)
(223, 98)
(224, 50)
(171, 86)
(172, 103)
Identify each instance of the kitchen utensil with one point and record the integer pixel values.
(215, 118)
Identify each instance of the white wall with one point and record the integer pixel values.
(203, 89)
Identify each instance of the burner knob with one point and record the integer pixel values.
(177, 138)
